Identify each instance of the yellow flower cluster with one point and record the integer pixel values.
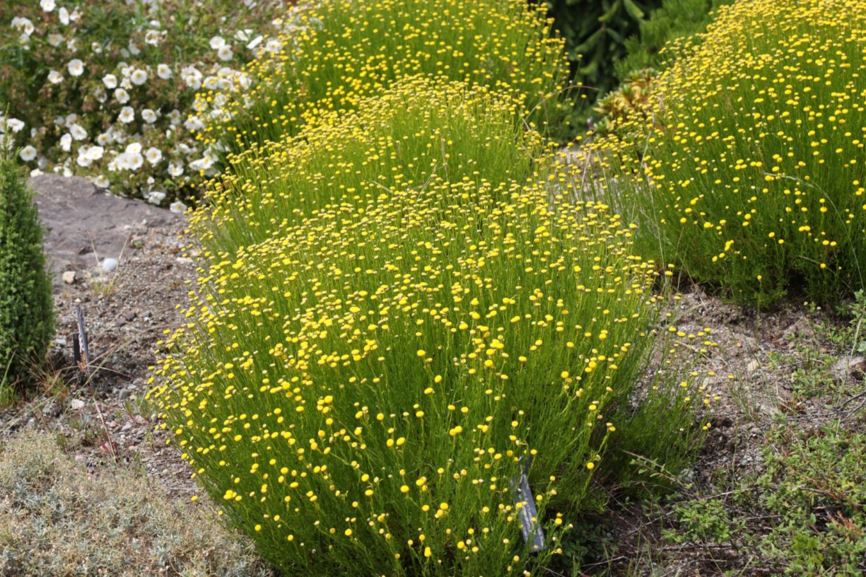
(750, 160)
(417, 131)
(336, 52)
(405, 321)
(371, 376)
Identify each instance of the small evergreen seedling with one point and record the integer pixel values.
(26, 319)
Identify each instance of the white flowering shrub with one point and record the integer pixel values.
(107, 90)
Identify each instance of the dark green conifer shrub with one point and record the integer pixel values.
(26, 317)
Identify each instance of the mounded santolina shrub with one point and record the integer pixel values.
(340, 51)
(751, 158)
(26, 318)
(418, 133)
(362, 389)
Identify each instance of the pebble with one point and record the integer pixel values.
(109, 264)
(69, 277)
(51, 409)
(76, 404)
(848, 367)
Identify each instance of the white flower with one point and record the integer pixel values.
(95, 152)
(155, 197)
(148, 115)
(152, 37)
(211, 82)
(193, 123)
(153, 155)
(77, 131)
(163, 71)
(133, 49)
(177, 207)
(27, 153)
(191, 77)
(243, 35)
(103, 139)
(66, 142)
(88, 154)
(75, 67)
(110, 81)
(131, 158)
(47, 5)
(23, 25)
(273, 46)
(101, 181)
(217, 42)
(54, 77)
(14, 124)
(55, 40)
(63, 13)
(175, 168)
(96, 47)
(225, 53)
(138, 77)
(255, 42)
(121, 95)
(127, 115)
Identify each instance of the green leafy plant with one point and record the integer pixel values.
(672, 21)
(596, 33)
(26, 309)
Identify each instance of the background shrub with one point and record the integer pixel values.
(361, 388)
(26, 317)
(418, 132)
(337, 52)
(106, 89)
(749, 165)
(596, 33)
(669, 22)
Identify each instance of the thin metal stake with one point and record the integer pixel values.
(80, 346)
(526, 509)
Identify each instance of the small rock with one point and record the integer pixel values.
(60, 341)
(69, 277)
(52, 408)
(848, 367)
(184, 260)
(109, 264)
(753, 366)
(177, 207)
(76, 404)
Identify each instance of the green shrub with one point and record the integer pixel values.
(748, 168)
(26, 317)
(596, 33)
(673, 20)
(417, 132)
(361, 388)
(340, 51)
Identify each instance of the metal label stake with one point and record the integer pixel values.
(526, 509)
